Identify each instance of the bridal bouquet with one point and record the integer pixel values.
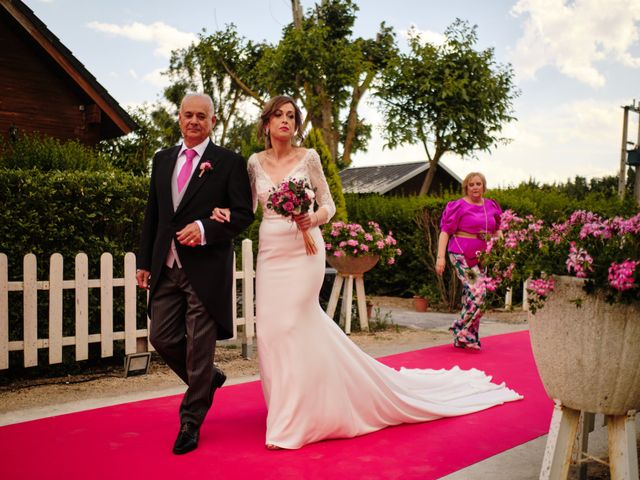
(292, 198)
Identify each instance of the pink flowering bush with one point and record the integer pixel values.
(605, 252)
(354, 240)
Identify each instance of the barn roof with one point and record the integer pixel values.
(381, 179)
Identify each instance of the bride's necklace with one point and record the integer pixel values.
(282, 159)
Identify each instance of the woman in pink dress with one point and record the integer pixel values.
(465, 226)
(316, 382)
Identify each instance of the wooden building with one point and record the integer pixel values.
(45, 89)
(401, 179)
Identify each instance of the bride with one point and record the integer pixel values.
(317, 384)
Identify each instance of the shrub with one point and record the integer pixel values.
(69, 212)
(403, 217)
(32, 151)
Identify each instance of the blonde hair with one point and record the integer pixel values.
(267, 112)
(467, 179)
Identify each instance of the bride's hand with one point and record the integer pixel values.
(303, 221)
(221, 215)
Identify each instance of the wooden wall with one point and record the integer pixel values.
(36, 95)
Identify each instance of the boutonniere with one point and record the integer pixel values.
(204, 167)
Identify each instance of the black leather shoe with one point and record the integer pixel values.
(187, 439)
(218, 380)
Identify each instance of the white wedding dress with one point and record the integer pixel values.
(317, 383)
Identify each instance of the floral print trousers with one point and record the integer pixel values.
(466, 327)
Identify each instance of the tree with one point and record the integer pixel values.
(333, 72)
(133, 152)
(449, 97)
(314, 140)
(207, 66)
(317, 61)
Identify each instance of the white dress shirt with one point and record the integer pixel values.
(172, 256)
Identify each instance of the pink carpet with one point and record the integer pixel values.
(134, 440)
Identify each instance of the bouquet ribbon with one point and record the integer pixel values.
(309, 243)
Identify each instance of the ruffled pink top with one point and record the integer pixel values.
(459, 215)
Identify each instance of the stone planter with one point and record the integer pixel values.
(586, 350)
(353, 265)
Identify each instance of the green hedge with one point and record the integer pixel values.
(552, 205)
(414, 222)
(69, 212)
(46, 154)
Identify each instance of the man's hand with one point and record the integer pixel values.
(142, 277)
(190, 235)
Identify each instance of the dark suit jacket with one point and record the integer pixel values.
(208, 267)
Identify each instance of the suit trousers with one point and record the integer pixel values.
(184, 334)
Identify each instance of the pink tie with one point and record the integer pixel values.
(185, 171)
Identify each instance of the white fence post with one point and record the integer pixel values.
(56, 284)
(106, 305)
(4, 312)
(130, 312)
(525, 296)
(508, 299)
(247, 298)
(30, 308)
(82, 306)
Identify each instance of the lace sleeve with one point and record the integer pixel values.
(251, 169)
(323, 194)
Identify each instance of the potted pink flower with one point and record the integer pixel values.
(603, 252)
(583, 279)
(351, 244)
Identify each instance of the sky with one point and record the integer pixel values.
(576, 63)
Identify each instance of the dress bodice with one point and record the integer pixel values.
(308, 168)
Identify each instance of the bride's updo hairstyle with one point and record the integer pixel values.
(267, 112)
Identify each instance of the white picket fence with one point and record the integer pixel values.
(508, 299)
(135, 339)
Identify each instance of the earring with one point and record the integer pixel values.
(266, 132)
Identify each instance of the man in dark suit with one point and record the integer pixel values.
(186, 259)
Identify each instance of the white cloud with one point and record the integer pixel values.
(426, 36)
(157, 79)
(165, 37)
(575, 138)
(548, 145)
(574, 35)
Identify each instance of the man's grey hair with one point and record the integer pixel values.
(201, 95)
